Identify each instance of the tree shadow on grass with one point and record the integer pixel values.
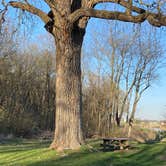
(147, 155)
(77, 159)
(35, 153)
(21, 145)
(13, 151)
(22, 157)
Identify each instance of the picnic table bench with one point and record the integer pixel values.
(115, 143)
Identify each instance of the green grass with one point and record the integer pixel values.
(35, 153)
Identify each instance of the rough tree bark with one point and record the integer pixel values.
(68, 40)
(67, 22)
(68, 133)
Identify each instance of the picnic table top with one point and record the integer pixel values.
(116, 139)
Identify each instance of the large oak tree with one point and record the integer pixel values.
(67, 21)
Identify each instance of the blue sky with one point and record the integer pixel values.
(153, 102)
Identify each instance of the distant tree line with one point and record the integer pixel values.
(27, 94)
(26, 89)
(124, 69)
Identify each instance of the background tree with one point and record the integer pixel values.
(127, 61)
(27, 89)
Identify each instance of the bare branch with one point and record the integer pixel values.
(152, 18)
(104, 14)
(123, 3)
(2, 13)
(31, 9)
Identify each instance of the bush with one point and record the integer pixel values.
(3, 122)
(20, 124)
(24, 125)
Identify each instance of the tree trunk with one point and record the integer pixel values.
(136, 99)
(131, 119)
(68, 129)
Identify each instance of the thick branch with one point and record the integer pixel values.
(123, 3)
(104, 14)
(152, 18)
(49, 2)
(31, 9)
(157, 20)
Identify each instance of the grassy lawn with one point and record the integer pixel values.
(36, 153)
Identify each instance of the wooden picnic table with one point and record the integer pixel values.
(115, 143)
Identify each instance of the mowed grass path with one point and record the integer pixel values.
(36, 153)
